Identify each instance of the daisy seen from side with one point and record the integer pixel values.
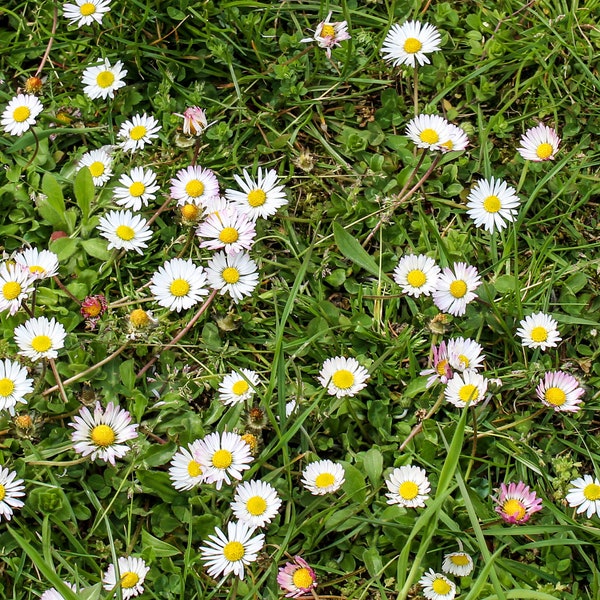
(343, 376)
(539, 330)
(131, 576)
(228, 229)
(540, 143)
(194, 121)
(14, 385)
(85, 12)
(516, 503)
(329, 34)
(584, 495)
(238, 386)
(138, 132)
(194, 185)
(233, 274)
(465, 354)
(417, 274)
(53, 594)
(40, 264)
(256, 503)
(136, 188)
(20, 114)
(99, 162)
(185, 471)
(560, 391)
(323, 477)
(125, 230)
(456, 288)
(408, 486)
(457, 141)
(297, 578)
(459, 564)
(11, 489)
(492, 204)
(40, 337)
(441, 369)
(436, 586)
(15, 286)
(410, 43)
(430, 132)
(103, 79)
(179, 284)
(466, 388)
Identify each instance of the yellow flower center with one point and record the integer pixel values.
(2, 492)
(230, 275)
(256, 198)
(105, 79)
(591, 491)
(93, 310)
(440, 586)
(103, 435)
(41, 343)
(252, 441)
(468, 393)
(555, 396)
(7, 387)
(412, 46)
(194, 469)
(342, 379)
(448, 145)
(327, 31)
(125, 232)
(222, 459)
(463, 360)
(36, 269)
(179, 287)
(416, 278)
(441, 367)
(11, 290)
(136, 189)
(324, 480)
(460, 560)
(194, 188)
(87, 9)
(458, 288)
(234, 551)
(129, 579)
(256, 505)
(514, 508)
(137, 132)
(409, 490)
(544, 150)
(492, 204)
(229, 235)
(139, 317)
(429, 136)
(539, 334)
(23, 422)
(302, 578)
(239, 387)
(97, 168)
(21, 113)
(190, 212)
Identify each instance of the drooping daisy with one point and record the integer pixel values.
(124, 230)
(323, 477)
(459, 564)
(185, 471)
(137, 188)
(11, 490)
(516, 503)
(14, 384)
(132, 572)
(85, 12)
(539, 330)
(456, 288)
(233, 274)
(409, 43)
(15, 286)
(255, 503)
(560, 391)
(437, 586)
(194, 185)
(225, 456)
(102, 80)
(224, 554)
(238, 386)
(458, 139)
(260, 198)
(466, 388)
(329, 34)
(52, 594)
(99, 162)
(409, 486)
(492, 204)
(441, 369)
(92, 308)
(194, 121)
(343, 376)
(20, 114)
(431, 132)
(179, 284)
(138, 132)
(539, 143)
(39, 263)
(416, 274)
(465, 354)
(584, 494)
(103, 434)
(297, 578)
(228, 229)
(39, 338)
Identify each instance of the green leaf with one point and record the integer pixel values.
(373, 465)
(84, 191)
(355, 484)
(372, 559)
(52, 190)
(152, 547)
(96, 248)
(127, 372)
(64, 247)
(91, 593)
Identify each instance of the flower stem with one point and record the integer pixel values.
(417, 428)
(61, 285)
(59, 383)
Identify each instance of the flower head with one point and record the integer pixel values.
(255, 503)
(11, 490)
(539, 330)
(103, 79)
(185, 471)
(52, 594)
(437, 586)
(92, 308)
(516, 503)
(194, 185)
(40, 338)
(416, 274)
(14, 384)
(99, 162)
(238, 386)
(465, 354)
(560, 391)
(584, 495)
(459, 564)
(233, 274)
(329, 34)
(456, 288)
(132, 572)
(179, 284)
(408, 486)
(20, 114)
(15, 286)
(431, 132)
(125, 230)
(441, 369)
(194, 121)
(323, 477)
(39, 264)
(137, 188)
(410, 43)
(343, 376)
(228, 229)
(466, 388)
(492, 204)
(85, 12)
(297, 578)
(138, 132)
(457, 141)
(539, 143)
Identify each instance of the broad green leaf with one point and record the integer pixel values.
(152, 547)
(84, 191)
(373, 465)
(97, 248)
(53, 192)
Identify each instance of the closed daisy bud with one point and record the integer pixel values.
(194, 121)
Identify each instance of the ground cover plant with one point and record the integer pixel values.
(299, 299)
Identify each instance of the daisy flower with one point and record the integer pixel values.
(457, 141)
(39, 264)
(102, 80)
(539, 330)
(233, 274)
(99, 162)
(228, 229)
(11, 490)
(343, 376)
(15, 286)
(442, 370)
(194, 120)
(124, 230)
(409, 486)
(465, 354)
(85, 12)
(138, 132)
(194, 185)
(40, 338)
(323, 477)
(137, 188)
(416, 274)
(584, 495)
(260, 198)
(255, 503)
(132, 572)
(225, 455)
(52, 594)
(185, 471)
(103, 434)
(560, 391)
(297, 578)
(20, 114)
(466, 388)
(429, 131)
(238, 387)
(539, 143)
(329, 34)
(456, 288)
(178, 284)
(459, 564)
(224, 554)
(492, 204)
(437, 586)
(14, 384)
(410, 43)
(517, 503)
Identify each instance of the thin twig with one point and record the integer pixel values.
(50, 41)
(59, 383)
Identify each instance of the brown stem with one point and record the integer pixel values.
(50, 41)
(417, 428)
(161, 209)
(59, 383)
(61, 285)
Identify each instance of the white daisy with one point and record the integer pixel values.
(14, 384)
(185, 471)
(225, 455)
(99, 162)
(492, 203)
(465, 354)
(323, 477)
(85, 12)
(224, 554)
(456, 288)
(260, 198)
(194, 185)
(194, 121)
(539, 143)
(458, 139)
(466, 388)
(409, 486)
(124, 230)
(39, 264)
(560, 391)
(103, 434)
(459, 564)
(40, 338)
(216, 204)
(429, 131)
(343, 376)
(416, 274)
(584, 495)
(137, 188)
(329, 34)
(179, 284)
(539, 330)
(233, 274)
(52, 594)
(20, 114)
(440, 366)
(437, 586)
(238, 386)
(409, 43)
(132, 572)
(10, 490)
(15, 286)
(138, 132)
(228, 229)
(102, 80)
(255, 503)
